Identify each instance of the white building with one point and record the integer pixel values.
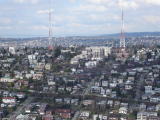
(123, 110)
(76, 59)
(92, 53)
(98, 53)
(9, 100)
(22, 117)
(20, 95)
(145, 115)
(7, 79)
(91, 64)
(101, 117)
(148, 89)
(85, 114)
(12, 50)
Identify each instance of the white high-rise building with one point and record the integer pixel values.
(12, 50)
(98, 53)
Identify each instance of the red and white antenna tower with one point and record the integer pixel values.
(122, 38)
(50, 25)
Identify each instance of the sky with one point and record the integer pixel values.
(19, 18)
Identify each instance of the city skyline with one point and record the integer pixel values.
(76, 17)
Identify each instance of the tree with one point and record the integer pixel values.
(98, 118)
(57, 52)
(149, 55)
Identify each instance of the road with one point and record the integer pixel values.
(76, 115)
(20, 108)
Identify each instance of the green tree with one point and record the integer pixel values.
(57, 52)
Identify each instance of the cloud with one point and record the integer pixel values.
(5, 27)
(115, 3)
(99, 1)
(79, 16)
(90, 8)
(39, 27)
(21, 22)
(102, 17)
(153, 2)
(128, 4)
(44, 11)
(27, 1)
(91, 29)
(72, 1)
(5, 20)
(152, 19)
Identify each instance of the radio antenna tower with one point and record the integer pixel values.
(122, 38)
(50, 25)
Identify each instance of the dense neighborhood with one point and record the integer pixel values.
(80, 83)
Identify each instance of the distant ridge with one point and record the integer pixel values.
(134, 34)
(128, 34)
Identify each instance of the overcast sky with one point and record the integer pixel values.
(77, 17)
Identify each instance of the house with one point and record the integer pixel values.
(128, 85)
(142, 106)
(110, 103)
(146, 96)
(21, 95)
(102, 103)
(9, 100)
(58, 100)
(51, 82)
(100, 116)
(153, 118)
(113, 118)
(116, 103)
(114, 94)
(7, 79)
(69, 89)
(61, 88)
(5, 93)
(67, 100)
(74, 101)
(37, 76)
(85, 114)
(124, 104)
(28, 75)
(22, 117)
(2, 114)
(123, 110)
(155, 98)
(47, 117)
(123, 118)
(63, 113)
(148, 89)
(103, 91)
(48, 66)
(21, 83)
(157, 107)
(95, 89)
(142, 115)
(113, 84)
(104, 83)
(91, 64)
(88, 102)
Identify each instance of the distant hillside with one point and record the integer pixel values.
(135, 34)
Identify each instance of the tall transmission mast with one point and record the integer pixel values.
(122, 38)
(50, 25)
